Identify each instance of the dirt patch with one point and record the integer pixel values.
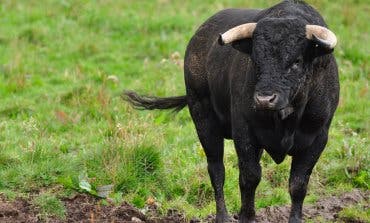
(17, 211)
(84, 208)
(326, 208)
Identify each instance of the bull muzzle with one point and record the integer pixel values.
(266, 101)
(273, 102)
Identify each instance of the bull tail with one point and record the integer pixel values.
(143, 102)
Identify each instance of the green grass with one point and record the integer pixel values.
(64, 64)
(355, 213)
(49, 205)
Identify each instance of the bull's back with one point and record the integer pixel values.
(204, 45)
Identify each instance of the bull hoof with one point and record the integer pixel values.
(295, 220)
(225, 219)
(245, 220)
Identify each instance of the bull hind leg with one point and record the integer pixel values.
(210, 135)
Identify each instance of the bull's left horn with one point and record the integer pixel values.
(322, 34)
(239, 32)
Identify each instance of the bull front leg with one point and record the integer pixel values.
(249, 175)
(249, 178)
(302, 165)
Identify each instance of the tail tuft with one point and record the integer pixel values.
(143, 102)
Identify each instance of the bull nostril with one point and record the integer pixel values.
(273, 98)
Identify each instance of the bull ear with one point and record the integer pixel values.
(321, 40)
(240, 37)
(315, 49)
(244, 45)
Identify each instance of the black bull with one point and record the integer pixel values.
(269, 82)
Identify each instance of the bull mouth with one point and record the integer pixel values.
(285, 112)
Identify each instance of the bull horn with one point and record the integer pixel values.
(239, 32)
(322, 35)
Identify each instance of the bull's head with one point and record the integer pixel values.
(282, 51)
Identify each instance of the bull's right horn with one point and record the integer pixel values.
(243, 31)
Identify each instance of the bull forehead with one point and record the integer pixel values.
(278, 40)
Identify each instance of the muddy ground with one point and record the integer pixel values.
(84, 208)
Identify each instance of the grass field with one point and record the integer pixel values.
(65, 129)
